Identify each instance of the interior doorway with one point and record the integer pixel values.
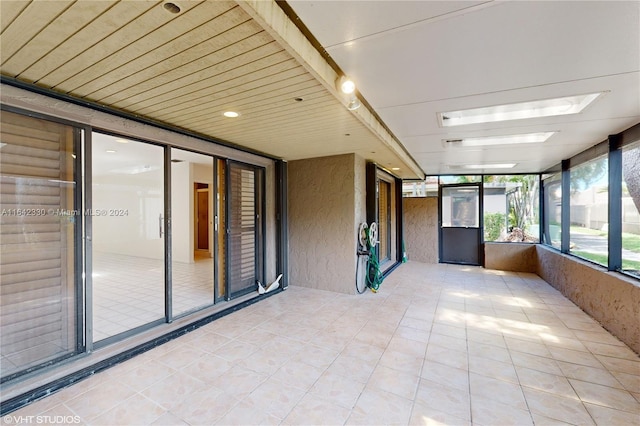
(202, 214)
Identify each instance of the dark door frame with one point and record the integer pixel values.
(480, 238)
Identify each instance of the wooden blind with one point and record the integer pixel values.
(37, 317)
(242, 229)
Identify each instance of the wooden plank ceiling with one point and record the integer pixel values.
(185, 69)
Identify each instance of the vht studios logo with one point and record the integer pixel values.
(40, 420)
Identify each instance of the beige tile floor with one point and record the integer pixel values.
(438, 344)
(128, 291)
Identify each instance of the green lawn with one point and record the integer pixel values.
(630, 242)
(586, 231)
(603, 260)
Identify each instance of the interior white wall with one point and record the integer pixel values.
(130, 208)
(182, 212)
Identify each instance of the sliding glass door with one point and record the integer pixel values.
(244, 214)
(104, 236)
(127, 212)
(193, 195)
(39, 243)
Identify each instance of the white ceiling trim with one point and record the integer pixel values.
(269, 15)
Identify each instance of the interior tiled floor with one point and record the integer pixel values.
(128, 291)
(438, 344)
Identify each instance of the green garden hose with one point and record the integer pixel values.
(374, 275)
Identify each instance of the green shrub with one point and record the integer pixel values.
(493, 226)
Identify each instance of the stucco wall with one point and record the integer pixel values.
(325, 196)
(421, 229)
(511, 257)
(610, 298)
(360, 185)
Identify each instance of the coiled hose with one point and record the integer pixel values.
(374, 275)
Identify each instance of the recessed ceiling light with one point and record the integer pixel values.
(501, 140)
(395, 168)
(483, 166)
(120, 140)
(231, 114)
(111, 151)
(533, 109)
(171, 7)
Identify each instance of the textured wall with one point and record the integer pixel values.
(360, 184)
(323, 222)
(510, 257)
(421, 229)
(610, 298)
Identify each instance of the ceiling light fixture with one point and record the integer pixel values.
(347, 88)
(346, 85)
(120, 140)
(483, 166)
(111, 151)
(231, 114)
(491, 166)
(518, 111)
(354, 103)
(500, 140)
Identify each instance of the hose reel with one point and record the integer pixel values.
(368, 259)
(373, 234)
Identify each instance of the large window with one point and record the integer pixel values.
(511, 212)
(589, 207)
(552, 193)
(631, 208)
(40, 222)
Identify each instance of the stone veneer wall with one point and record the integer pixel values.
(610, 298)
(421, 228)
(326, 204)
(511, 257)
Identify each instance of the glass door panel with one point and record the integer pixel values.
(192, 218)
(460, 231)
(128, 234)
(38, 243)
(243, 219)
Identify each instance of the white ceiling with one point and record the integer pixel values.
(412, 59)
(185, 69)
